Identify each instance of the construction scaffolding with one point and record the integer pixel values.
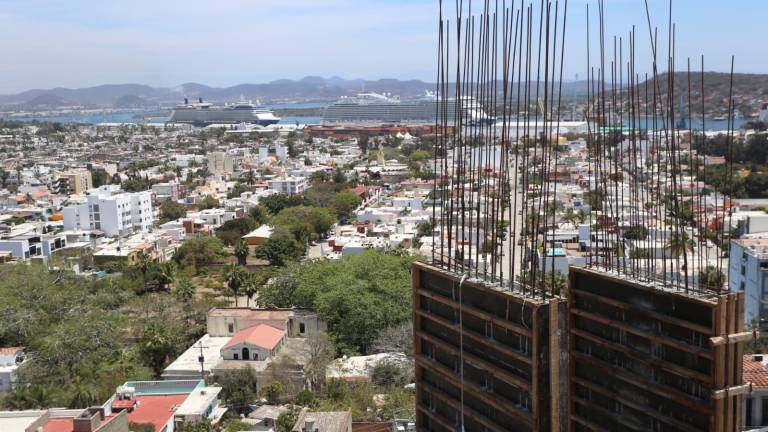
(643, 335)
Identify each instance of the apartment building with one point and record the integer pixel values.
(169, 191)
(748, 272)
(76, 181)
(220, 163)
(288, 185)
(111, 211)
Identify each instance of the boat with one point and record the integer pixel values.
(374, 108)
(205, 114)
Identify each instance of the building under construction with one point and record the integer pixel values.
(486, 356)
(643, 358)
(615, 355)
(642, 336)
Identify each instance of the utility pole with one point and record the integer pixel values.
(201, 359)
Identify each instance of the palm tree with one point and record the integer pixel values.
(143, 263)
(241, 252)
(184, 290)
(82, 394)
(250, 177)
(164, 274)
(156, 346)
(581, 216)
(39, 396)
(570, 216)
(679, 243)
(235, 277)
(251, 287)
(711, 278)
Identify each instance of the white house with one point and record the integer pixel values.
(10, 358)
(288, 185)
(259, 342)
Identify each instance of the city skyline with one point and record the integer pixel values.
(171, 43)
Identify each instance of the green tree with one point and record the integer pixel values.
(362, 143)
(82, 393)
(279, 249)
(636, 232)
(679, 243)
(164, 274)
(232, 231)
(287, 419)
(277, 202)
(237, 426)
(200, 252)
(241, 252)
(344, 203)
(339, 177)
(171, 210)
(272, 392)
(258, 215)
(184, 290)
(238, 388)
(711, 278)
(304, 221)
(425, 228)
(156, 346)
(200, 426)
(235, 276)
(305, 398)
(253, 281)
(387, 373)
(595, 198)
(209, 202)
(100, 177)
(358, 295)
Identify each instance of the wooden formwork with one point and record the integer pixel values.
(492, 357)
(643, 357)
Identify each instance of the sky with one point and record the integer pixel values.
(81, 43)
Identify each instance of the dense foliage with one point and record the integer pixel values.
(84, 337)
(358, 296)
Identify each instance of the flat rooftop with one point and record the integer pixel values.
(198, 401)
(17, 421)
(188, 360)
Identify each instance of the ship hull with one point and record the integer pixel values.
(207, 117)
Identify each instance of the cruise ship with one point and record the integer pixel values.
(204, 114)
(374, 108)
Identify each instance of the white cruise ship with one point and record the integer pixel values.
(374, 108)
(203, 114)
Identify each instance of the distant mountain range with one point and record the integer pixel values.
(129, 95)
(320, 89)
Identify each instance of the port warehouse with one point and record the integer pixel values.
(627, 356)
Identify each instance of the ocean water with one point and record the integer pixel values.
(137, 117)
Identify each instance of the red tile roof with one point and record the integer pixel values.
(64, 424)
(155, 409)
(261, 335)
(754, 372)
(67, 424)
(10, 350)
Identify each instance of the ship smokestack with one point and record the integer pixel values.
(186, 101)
(200, 99)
